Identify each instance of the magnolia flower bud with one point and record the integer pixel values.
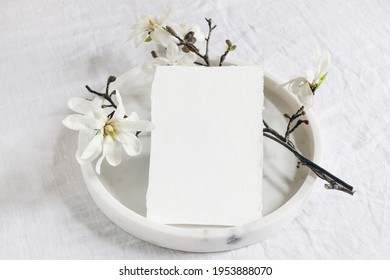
(230, 46)
(185, 49)
(192, 48)
(151, 22)
(171, 31)
(111, 79)
(189, 35)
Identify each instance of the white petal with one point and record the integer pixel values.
(139, 33)
(141, 25)
(310, 76)
(87, 160)
(149, 66)
(107, 146)
(133, 117)
(83, 141)
(307, 100)
(139, 39)
(130, 142)
(100, 119)
(294, 87)
(323, 65)
(172, 51)
(161, 20)
(95, 146)
(79, 122)
(131, 125)
(161, 36)
(187, 59)
(98, 100)
(305, 90)
(114, 155)
(305, 95)
(198, 34)
(298, 79)
(120, 110)
(82, 106)
(296, 84)
(182, 29)
(144, 18)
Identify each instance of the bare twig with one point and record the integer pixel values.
(291, 119)
(211, 28)
(110, 80)
(200, 64)
(105, 95)
(333, 182)
(299, 122)
(222, 59)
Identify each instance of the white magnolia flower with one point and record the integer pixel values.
(104, 135)
(175, 57)
(151, 28)
(305, 87)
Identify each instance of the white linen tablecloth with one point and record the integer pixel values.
(50, 49)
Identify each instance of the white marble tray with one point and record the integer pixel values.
(120, 192)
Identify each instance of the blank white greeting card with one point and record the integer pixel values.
(206, 149)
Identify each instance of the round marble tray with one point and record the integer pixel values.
(120, 192)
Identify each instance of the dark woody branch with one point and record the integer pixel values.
(188, 43)
(333, 182)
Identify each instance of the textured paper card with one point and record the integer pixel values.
(206, 149)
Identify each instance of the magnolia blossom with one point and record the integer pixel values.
(151, 28)
(175, 57)
(305, 87)
(104, 135)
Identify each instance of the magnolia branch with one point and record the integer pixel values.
(211, 28)
(333, 182)
(188, 44)
(108, 96)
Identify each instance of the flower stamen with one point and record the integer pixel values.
(109, 130)
(151, 27)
